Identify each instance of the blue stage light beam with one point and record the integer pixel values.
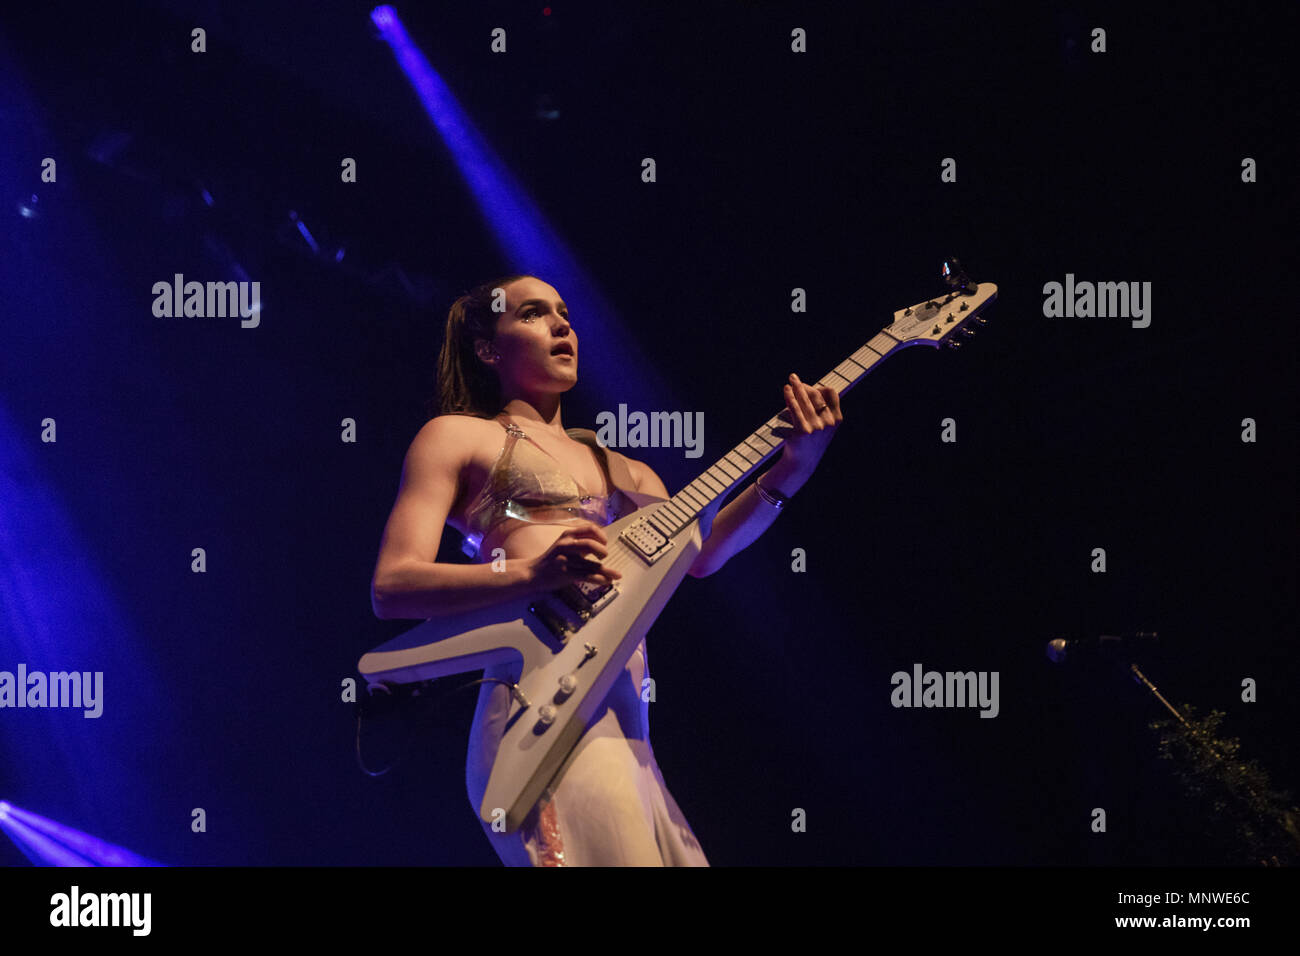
(47, 843)
(39, 848)
(522, 233)
(58, 609)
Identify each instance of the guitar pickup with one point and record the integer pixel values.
(560, 620)
(647, 540)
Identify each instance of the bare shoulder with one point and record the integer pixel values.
(456, 439)
(449, 458)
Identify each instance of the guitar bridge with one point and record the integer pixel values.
(565, 611)
(588, 599)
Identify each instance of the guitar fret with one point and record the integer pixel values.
(714, 485)
(700, 488)
(883, 342)
(701, 491)
(689, 495)
(849, 370)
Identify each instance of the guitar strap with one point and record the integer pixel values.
(615, 466)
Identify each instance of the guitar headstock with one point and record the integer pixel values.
(939, 321)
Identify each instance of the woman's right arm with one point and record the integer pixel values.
(410, 583)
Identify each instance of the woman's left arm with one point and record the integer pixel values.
(815, 412)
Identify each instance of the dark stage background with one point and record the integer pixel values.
(775, 170)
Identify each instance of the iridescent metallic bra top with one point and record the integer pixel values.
(527, 484)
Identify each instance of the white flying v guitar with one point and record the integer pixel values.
(574, 643)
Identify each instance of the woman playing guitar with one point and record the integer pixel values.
(498, 465)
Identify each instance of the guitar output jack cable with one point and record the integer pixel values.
(368, 706)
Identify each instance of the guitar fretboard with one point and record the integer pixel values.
(720, 479)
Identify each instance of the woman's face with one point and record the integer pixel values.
(537, 346)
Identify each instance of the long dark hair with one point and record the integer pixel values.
(466, 386)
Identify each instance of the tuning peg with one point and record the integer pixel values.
(956, 277)
(954, 344)
(980, 320)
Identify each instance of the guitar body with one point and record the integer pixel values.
(594, 654)
(573, 644)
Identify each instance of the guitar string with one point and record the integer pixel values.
(621, 559)
(628, 558)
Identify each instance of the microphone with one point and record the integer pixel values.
(1061, 650)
